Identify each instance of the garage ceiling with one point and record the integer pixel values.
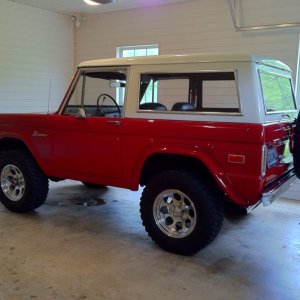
(78, 6)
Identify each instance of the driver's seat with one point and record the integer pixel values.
(153, 106)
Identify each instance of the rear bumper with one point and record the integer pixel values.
(278, 187)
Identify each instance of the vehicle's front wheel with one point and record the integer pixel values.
(24, 187)
(180, 213)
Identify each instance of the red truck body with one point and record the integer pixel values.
(202, 147)
(115, 155)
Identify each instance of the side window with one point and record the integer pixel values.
(277, 92)
(190, 92)
(94, 93)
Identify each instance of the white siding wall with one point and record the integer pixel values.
(196, 26)
(36, 51)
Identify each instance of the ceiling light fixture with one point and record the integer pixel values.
(89, 2)
(99, 2)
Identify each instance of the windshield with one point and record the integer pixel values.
(277, 92)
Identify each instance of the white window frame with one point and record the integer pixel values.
(120, 50)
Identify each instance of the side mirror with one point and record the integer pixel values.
(81, 113)
(117, 84)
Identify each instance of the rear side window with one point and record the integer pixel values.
(205, 92)
(277, 92)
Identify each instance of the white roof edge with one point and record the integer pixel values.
(183, 58)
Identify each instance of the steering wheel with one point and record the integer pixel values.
(100, 110)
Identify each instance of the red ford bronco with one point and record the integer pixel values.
(193, 129)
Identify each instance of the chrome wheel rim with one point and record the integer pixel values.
(12, 182)
(174, 213)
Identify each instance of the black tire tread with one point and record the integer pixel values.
(37, 183)
(213, 205)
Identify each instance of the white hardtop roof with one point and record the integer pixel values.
(184, 58)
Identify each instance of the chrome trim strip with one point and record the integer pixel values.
(264, 160)
(268, 197)
(170, 112)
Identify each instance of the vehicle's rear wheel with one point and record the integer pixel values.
(93, 185)
(24, 187)
(180, 213)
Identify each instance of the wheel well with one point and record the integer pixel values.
(160, 162)
(12, 144)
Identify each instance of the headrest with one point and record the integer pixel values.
(183, 106)
(153, 106)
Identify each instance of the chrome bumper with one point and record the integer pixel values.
(270, 196)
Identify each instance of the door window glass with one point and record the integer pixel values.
(95, 93)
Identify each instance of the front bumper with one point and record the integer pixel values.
(276, 189)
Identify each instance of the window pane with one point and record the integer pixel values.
(95, 92)
(190, 92)
(151, 93)
(127, 53)
(172, 91)
(277, 92)
(153, 51)
(130, 51)
(220, 93)
(140, 52)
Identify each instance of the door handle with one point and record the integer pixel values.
(116, 122)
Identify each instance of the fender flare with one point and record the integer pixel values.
(29, 145)
(202, 154)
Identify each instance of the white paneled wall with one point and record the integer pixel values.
(36, 58)
(195, 26)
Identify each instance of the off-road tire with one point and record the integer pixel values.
(33, 190)
(205, 211)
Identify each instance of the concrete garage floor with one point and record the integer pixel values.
(100, 250)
